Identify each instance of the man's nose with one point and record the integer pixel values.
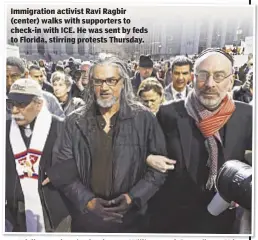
(210, 82)
(104, 86)
(181, 76)
(15, 110)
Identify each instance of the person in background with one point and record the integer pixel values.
(36, 73)
(79, 87)
(244, 93)
(62, 85)
(15, 69)
(167, 79)
(145, 71)
(59, 67)
(151, 94)
(180, 76)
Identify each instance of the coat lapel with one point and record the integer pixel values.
(185, 132)
(230, 137)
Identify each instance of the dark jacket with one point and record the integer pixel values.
(242, 95)
(181, 204)
(47, 87)
(136, 135)
(169, 94)
(76, 92)
(72, 104)
(136, 80)
(54, 207)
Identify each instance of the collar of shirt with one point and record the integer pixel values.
(175, 92)
(102, 122)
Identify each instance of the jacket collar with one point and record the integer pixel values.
(87, 116)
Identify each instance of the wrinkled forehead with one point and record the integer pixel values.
(213, 61)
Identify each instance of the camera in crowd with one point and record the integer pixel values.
(75, 69)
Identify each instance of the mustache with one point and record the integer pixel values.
(18, 117)
(208, 90)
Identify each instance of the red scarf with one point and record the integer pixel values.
(209, 123)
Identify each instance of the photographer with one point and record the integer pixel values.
(81, 80)
(244, 93)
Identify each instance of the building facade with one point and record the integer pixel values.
(163, 40)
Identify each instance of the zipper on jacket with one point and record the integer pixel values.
(45, 203)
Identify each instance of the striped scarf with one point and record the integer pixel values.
(209, 123)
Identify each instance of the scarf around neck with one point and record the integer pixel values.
(209, 123)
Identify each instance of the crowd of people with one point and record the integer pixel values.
(124, 146)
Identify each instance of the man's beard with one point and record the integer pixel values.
(106, 103)
(210, 103)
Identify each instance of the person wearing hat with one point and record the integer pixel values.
(59, 66)
(145, 71)
(30, 137)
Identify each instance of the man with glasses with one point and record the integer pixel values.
(15, 70)
(109, 140)
(202, 132)
(30, 136)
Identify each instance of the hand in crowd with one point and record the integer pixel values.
(160, 163)
(79, 84)
(46, 181)
(100, 207)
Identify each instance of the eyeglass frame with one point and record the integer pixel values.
(105, 81)
(209, 74)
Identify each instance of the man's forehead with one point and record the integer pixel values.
(214, 57)
(182, 68)
(106, 69)
(35, 71)
(10, 68)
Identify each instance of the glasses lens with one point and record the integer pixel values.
(97, 82)
(203, 76)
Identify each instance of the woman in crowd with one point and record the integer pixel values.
(62, 85)
(151, 94)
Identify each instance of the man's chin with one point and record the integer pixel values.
(20, 122)
(210, 103)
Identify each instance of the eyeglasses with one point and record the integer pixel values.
(21, 105)
(109, 81)
(217, 76)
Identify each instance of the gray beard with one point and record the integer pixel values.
(106, 103)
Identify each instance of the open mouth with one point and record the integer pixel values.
(105, 95)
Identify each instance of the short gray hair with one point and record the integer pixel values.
(59, 76)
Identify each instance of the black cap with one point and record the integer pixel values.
(145, 61)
